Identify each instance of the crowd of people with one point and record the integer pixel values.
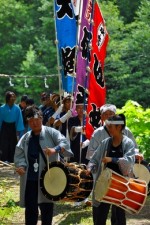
(30, 135)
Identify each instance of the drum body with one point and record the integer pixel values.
(127, 193)
(67, 182)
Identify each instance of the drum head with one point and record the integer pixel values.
(53, 182)
(141, 172)
(102, 184)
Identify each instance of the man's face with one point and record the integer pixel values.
(23, 104)
(79, 109)
(35, 124)
(67, 104)
(12, 99)
(107, 115)
(113, 129)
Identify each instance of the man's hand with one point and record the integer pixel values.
(49, 151)
(107, 159)
(20, 170)
(139, 157)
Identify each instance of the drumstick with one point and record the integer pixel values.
(48, 166)
(103, 164)
(6, 164)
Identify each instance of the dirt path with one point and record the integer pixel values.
(62, 210)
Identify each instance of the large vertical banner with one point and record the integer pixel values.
(66, 36)
(83, 53)
(85, 38)
(97, 89)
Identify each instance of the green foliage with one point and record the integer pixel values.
(128, 9)
(27, 48)
(127, 64)
(8, 206)
(138, 120)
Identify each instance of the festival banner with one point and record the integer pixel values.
(97, 89)
(66, 29)
(85, 37)
(83, 53)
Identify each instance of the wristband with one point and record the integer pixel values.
(114, 160)
(57, 149)
(66, 116)
(78, 129)
(85, 143)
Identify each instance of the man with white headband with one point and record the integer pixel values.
(35, 149)
(101, 133)
(117, 152)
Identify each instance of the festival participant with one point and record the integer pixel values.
(37, 146)
(11, 127)
(57, 108)
(61, 122)
(30, 101)
(23, 106)
(101, 133)
(78, 140)
(43, 97)
(77, 135)
(48, 109)
(117, 152)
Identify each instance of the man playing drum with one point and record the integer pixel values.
(33, 152)
(117, 153)
(101, 133)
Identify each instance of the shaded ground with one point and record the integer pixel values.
(64, 213)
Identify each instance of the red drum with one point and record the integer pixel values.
(67, 182)
(127, 193)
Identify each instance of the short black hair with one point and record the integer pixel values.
(8, 95)
(120, 117)
(44, 96)
(30, 101)
(31, 111)
(24, 98)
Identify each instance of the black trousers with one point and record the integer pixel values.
(8, 141)
(117, 216)
(32, 207)
(100, 214)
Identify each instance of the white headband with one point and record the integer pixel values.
(35, 116)
(114, 122)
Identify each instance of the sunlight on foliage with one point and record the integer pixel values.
(138, 121)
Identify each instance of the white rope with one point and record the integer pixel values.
(25, 76)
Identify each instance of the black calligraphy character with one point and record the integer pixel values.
(100, 37)
(86, 40)
(68, 56)
(95, 116)
(81, 96)
(65, 9)
(98, 73)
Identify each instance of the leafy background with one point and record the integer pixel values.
(27, 49)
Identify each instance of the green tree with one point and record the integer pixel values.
(127, 62)
(27, 44)
(14, 16)
(127, 8)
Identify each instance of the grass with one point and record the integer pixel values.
(65, 213)
(9, 197)
(71, 215)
